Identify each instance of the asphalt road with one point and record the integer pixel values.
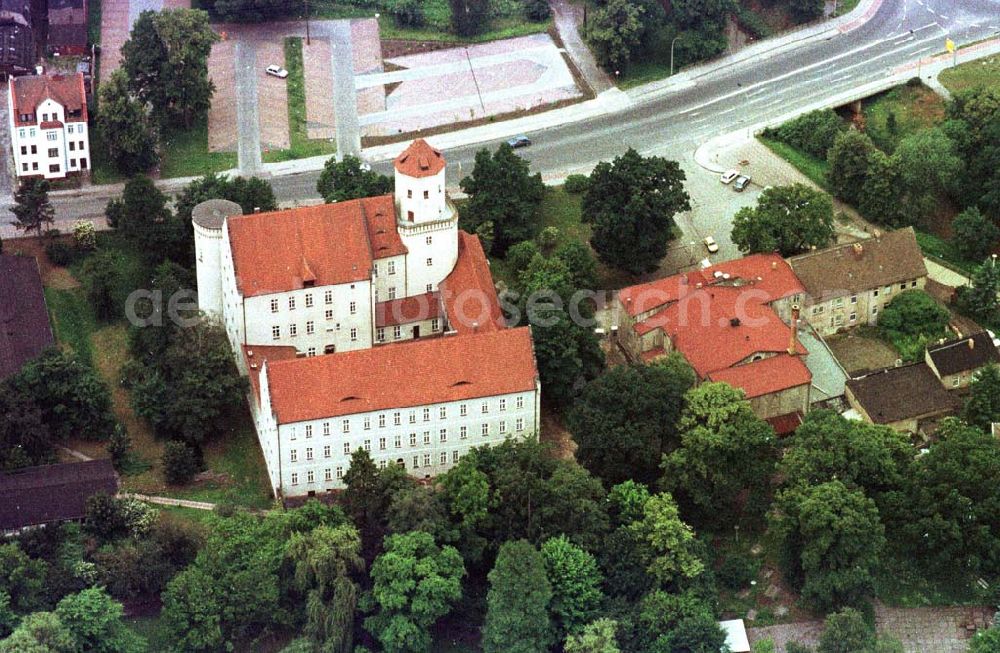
(718, 102)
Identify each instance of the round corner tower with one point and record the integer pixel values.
(208, 219)
(426, 219)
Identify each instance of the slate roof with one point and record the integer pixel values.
(898, 393)
(52, 493)
(889, 258)
(24, 319)
(969, 353)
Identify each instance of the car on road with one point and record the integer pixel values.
(729, 175)
(711, 245)
(741, 183)
(276, 71)
(519, 141)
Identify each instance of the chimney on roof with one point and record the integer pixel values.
(774, 265)
(859, 249)
(475, 327)
(972, 343)
(794, 331)
(734, 322)
(877, 233)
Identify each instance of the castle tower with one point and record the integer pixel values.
(426, 219)
(208, 219)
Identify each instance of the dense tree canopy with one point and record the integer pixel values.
(127, 129)
(850, 159)
(615, 33)
(787, 219)
(627, 418)
(32, 209)
(982, 406)
(973, 234)
(517, 616)
(349, 179)
(502, 191)
(576, 585)
(631, 203)
(911, 320)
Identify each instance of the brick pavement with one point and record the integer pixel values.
(272, 97)
(320, 119)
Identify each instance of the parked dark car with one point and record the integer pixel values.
(519, 141)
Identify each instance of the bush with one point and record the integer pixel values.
(118, 447)
(407, 13)
(520, 255)
(576, 184)
(813, 133)
(60, 254)
(180, 463)
(737, 571)
(548, 238)
(537, 10)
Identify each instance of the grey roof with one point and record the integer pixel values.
(969, 353)
(855, 267)
(897, 393)
(210, 214)
(52, 493)
(24, 319)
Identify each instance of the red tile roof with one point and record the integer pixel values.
(408, 310)
(785, 424)
(401, 375)
(256, 355)
(32, 90)
(420, 160)
(51, 124)
(469, 296)
(767, 273)
(325, 245)
(766, 376)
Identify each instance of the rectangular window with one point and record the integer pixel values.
(888, 290)
(875, 293)
(310, 327)
(427, 194)
(381, 421)
(381, 444)
(353, 307)
(443, 412)
(274, 305)
(295, 478)
(463, 432)
(427, 437)
(392, 267)
(381, 464)
(347, 426)
(81, 144)
(291, 303)
(328, 297)
(72, 163)
(310, 477)
(326, 429)
(309, 300)
(24, 150)
(367, 423)
(854, 299)
(51, 136)
(354, 335)
(293, 455)
(902, 286)
(413, 417)
(427, 414)
(340, 472)
(443, 434)
(486, 429)
(429, 287)
(913, 284)
(69, 129)
(454, 456)
(397, 418)
(397, 332)
(429, 240)
(275, 332)
(503, 427)
(416, 459)
(520, 424)
(293, 330)
(434, 324)
(328, 314)
(368, 446)
(392, 292)
(503, 405)
(413, 439)
(398, 441)
(72, 146)
(427, 460)
(347, 448)
(326, 451)
(54, 168)
(327, 474)
(485, 409)
(430, 262)
(309, 430)
(443, 458)
(309, 453)
(24, 167)
(520, 403)
(311, 352)
(874, 310)
(463, 410)
(380, 334)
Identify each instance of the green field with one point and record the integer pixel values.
(72, 321)
(911, 108)
(983, 72)
(813, 168)
(184, 153)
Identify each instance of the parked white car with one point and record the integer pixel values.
(728, 176)
(276, 71)
(711, 245)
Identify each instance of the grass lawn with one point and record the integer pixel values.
(813, 168)
(845, 7)
(184, 153)
(72, 321)
(983, 72)
(914, 108)
(301, 145)
(103, 170)
(509, 22)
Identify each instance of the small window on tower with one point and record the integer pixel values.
(409, 193)
(409, 216)
(427, 194)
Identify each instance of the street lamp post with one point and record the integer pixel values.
(672, 54)
(307, 22)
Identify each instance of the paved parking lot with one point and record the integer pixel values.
(117, 17)
(272, 94)
(222, 128)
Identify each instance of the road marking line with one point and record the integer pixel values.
(932, 11)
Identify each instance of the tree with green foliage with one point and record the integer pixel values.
(252, 11)
(414, 583)
(96, 622)
(25, 439)
(166, 61)
(985, 641)
(169, 305)
(695, 13)
(659, 614)
(503, 191)
(698, 634)
(596, 637)
(71, 396)
(670, 539)
(517, 604)
(826, 446)
(180, 462)
(950, 516)
(832, 539)
(980, 300)
(626, 419)
(982, 406)
(32, 209)
(100, 274)
(879, 199)
(973, 234)
(251, 193)
(576, 585)
(631, 203)
(804, 11)
(787, 219)
(847, 631)
(615, 33)
(23, 579)
(324, 562)
(141, 215)
(850, 162)
(407, 13)
(119, 446)
(537, 10)
(194, 388)
(726, 456)
(520, 255)
(368, 495)
(349, 179)
(912, 320)
(814, 133)
(40, 632)
(469, 17)
(929, 168)
(581, 263)
(127, 129)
